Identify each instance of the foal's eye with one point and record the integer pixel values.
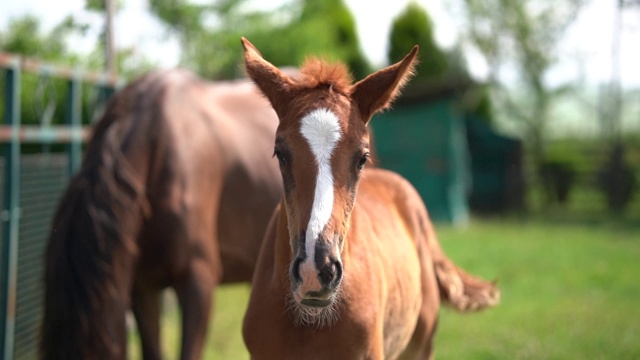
(280, 157)
(363, 161)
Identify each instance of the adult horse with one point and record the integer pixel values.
(341, 276)
(175, 190)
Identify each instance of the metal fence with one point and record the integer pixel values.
(38, 158)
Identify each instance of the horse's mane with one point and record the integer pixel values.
(92, 245)
(317, 72)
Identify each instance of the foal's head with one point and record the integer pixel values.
(322, 145)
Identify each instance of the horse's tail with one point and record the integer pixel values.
(458, 289)
(91, 251)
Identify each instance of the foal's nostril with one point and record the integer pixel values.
(327, 273)
(295, 270)
(330, 274)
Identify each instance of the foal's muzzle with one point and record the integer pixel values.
(314, 281)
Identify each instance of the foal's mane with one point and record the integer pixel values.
(316, 72)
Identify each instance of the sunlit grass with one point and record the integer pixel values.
(570, 290)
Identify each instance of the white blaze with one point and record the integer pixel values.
(321, 129)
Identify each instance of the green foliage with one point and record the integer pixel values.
(478, 103)
(128, 63)
(42, 98)
(524, 34)
(411, 27)
(24, 36)
(340, 28)
(414, 26)
(100, 5)
(180, 15)
(210, 35)
(586, 159)
(484, 107)
(587, 155)
(325, 29)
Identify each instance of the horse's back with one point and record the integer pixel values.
(203, 149)
(385, 192)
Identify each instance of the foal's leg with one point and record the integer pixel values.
(195, 297)
(421, 344)
(147, 309)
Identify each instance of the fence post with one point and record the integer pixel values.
(10, 212)
(73, 119)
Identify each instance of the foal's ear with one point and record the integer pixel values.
(378, 90)
(275, 85)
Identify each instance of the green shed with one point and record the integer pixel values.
(423, 138)
(497, 169)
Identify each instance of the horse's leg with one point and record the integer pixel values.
(195, 298)
(147, 309)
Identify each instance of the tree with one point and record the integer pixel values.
(414, 26)
(616, 177)
(24, 36)
(524, 35)
(41, 96)
(106, 55)
(210, 34)
(340, 27)
(411, 27)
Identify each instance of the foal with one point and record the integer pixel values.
(340, 276)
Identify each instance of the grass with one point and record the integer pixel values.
(224, 339)
(570, 290)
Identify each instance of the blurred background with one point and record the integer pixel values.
(521, 131)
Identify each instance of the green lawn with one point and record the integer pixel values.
(570, 290)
